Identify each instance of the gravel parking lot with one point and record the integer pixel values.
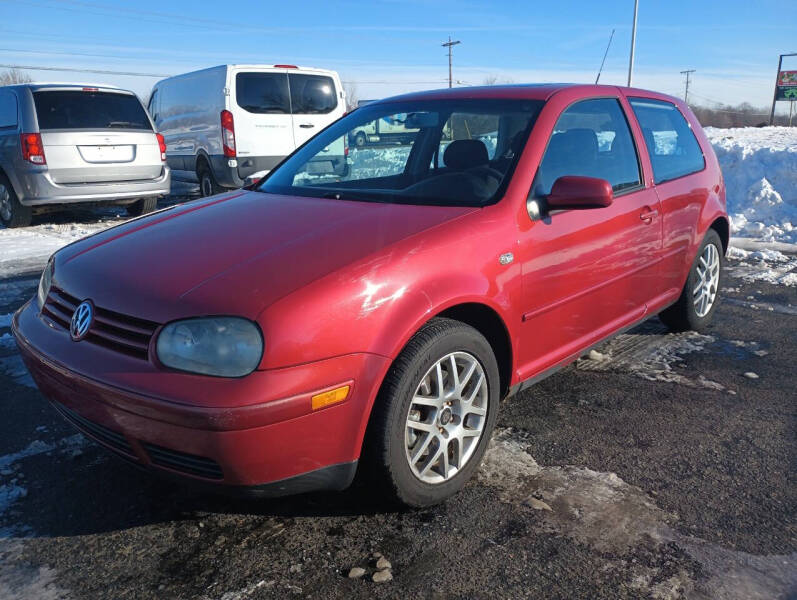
(658, 466)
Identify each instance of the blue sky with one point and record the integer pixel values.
(390, 46)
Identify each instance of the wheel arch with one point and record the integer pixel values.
(202, 157)
(723, 229)
(489, 323)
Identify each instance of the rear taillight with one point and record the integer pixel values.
(162, 144)
(228, 134)
(32, 148)
(345, 145)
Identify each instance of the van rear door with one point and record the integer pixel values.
(93, 136)
(262, 114)
(315, 104)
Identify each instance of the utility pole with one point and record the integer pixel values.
(686, 91)
(633, 44)
(449, 43)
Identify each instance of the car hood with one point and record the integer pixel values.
(232, 254)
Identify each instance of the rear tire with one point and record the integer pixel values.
(141, 207)
(406, 463)
(207, 183)
(360, 140)
(12, 212)
(700, 296)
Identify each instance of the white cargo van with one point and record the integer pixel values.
(227, 125)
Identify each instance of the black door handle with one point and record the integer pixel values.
(306, 125)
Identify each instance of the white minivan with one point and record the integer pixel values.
(229, 125)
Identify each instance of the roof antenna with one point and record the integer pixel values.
(597, 79)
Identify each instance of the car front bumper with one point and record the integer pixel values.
(36, 188)
(276, 446)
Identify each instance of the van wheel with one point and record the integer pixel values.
(207, 183)
(434, 415)
(142, 207)
(12, 212)
(700, 296)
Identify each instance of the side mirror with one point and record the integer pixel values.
(574, 192)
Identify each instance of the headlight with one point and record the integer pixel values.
(45, 282)
(222, 346)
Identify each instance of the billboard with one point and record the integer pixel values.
(787, 86)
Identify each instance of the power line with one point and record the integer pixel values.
(450, 44)
(136, 74)
(73, 70)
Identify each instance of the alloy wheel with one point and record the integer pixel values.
(708, 274)
(446, 417)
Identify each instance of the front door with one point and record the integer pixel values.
(587, 272)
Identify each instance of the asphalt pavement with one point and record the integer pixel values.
(660, 466)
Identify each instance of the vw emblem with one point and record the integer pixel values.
(81, 320)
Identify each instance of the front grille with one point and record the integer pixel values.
(185, 463)
(115, 331)
(108, 437)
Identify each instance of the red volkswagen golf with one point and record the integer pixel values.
(279, 338)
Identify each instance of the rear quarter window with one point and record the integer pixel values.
(673, 149)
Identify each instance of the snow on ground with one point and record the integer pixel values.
(27, 248)
(759, 165)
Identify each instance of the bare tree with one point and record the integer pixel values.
(741, 115)
(14, 76)
(495, 80)
(352, 97)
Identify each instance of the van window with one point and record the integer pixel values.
(673, 149)
(263, 93)
(8, 110)
(590, 139)
(89, 110)
(312, 94)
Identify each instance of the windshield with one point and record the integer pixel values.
(89, 110)
(452, 152)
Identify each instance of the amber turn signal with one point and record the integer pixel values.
(331, 397)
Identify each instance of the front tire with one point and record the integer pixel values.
(434, 415)
(12, 212)
(700, 296)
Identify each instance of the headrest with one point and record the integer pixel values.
(573, 145)
(466, 154)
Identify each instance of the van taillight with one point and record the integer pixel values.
(162, 144)
(228, 134)
(32, 148)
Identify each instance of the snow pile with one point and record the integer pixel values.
(760, 170)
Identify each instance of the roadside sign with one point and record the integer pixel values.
(786, 86)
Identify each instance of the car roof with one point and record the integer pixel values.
(524, 91)
(35, 87)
